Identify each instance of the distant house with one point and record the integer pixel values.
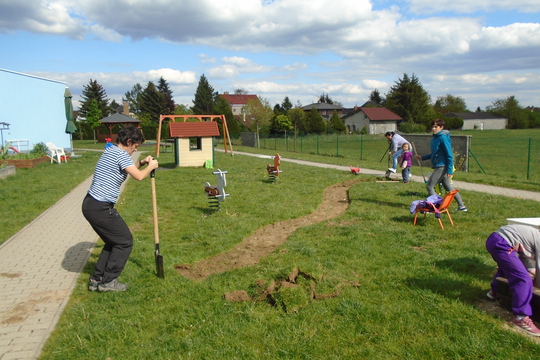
(34, 109)
(325, 110)
(377, 120)
(238, 103)
(194, 142)
(480, 120)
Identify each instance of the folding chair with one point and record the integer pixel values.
(425, 208)
(56, 153)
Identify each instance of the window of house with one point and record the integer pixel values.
(195, 143)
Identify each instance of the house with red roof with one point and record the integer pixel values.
(238, 103)
(377, 120)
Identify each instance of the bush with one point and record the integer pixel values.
(410, 127)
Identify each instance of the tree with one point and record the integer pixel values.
(260, 113)
(205, 98)
(223, 108)
(163, 88)
(510, 109)
(93, 116)
(315, 123)
(336, 125)
(324, 98)
(152, 103)
(133, 98)
(375, 96)
(408, 99)
(298, 121)
(240, 92)
(450, 104)
(94, 91)
(282, 123)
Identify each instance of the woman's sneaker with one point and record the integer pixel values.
(491, 296)
(112, 286)
(527, 325)
(93, 285)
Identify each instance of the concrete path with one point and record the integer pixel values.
(39, 265)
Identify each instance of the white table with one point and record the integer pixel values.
(535, 222)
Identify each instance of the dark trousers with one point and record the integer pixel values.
(114, 232)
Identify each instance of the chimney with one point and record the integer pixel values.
(125, 108)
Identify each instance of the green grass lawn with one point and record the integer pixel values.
(504, 155)
(421, 292)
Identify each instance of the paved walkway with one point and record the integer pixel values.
(39, 265)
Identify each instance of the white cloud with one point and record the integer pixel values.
(468, 6)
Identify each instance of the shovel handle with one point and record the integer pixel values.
(154, 207)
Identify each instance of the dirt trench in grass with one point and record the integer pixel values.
(268, 238)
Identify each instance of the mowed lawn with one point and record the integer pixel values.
(399, 291)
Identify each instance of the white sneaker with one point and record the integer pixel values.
(392, 170)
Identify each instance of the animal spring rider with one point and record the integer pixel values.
(273, 171)
(216, 194)
(355, 170)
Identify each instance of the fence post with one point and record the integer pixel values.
(317, 143)
(337, 145)
(529, 160)
(361, 146)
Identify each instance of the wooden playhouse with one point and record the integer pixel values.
(193, 141)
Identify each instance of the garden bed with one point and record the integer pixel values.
(25, 163)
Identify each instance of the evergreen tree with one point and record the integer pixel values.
(286, 104)
(223, 108)
(408, 99)
(336, 125)
(205, 98)
(152, 103)
(324, 98)
(94, 91)
(315, 123)
(133, 97)
(163, 88)
(375, 96)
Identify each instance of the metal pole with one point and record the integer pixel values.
(529, 160)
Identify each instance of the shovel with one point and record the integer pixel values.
(159, 258)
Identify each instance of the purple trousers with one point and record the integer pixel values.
(511, 268)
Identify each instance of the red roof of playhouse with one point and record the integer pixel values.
(380, 113)
(193, 129)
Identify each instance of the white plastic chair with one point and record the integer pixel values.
(56, 153)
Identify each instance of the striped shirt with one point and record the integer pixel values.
(109, 175)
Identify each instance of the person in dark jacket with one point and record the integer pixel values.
(442, 161)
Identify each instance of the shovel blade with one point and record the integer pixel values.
(159, 266)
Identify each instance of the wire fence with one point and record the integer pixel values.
(506, 153)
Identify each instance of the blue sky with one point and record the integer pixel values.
(481, 50)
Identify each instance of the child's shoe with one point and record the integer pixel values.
(527, 325)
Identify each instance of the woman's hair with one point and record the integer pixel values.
(130, 134)
(438, 122)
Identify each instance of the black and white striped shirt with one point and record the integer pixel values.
(109, 175)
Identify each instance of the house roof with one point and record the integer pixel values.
(376, 114)
(193, 129)
(238, 99)
(473, 115)
(321, 106)
(119, 119)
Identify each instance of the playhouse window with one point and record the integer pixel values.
(195, 143)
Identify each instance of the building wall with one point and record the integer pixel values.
(485, 124)
(34, 108)
(357, 122)
(188, 157)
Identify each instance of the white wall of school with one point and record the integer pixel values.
(34, 108)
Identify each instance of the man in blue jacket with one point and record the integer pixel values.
(442, 161)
